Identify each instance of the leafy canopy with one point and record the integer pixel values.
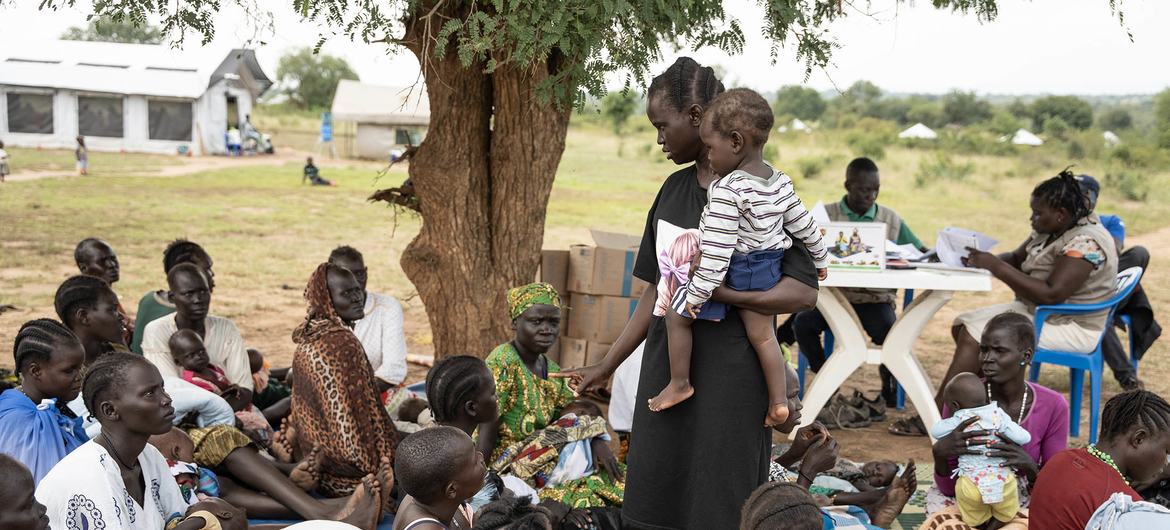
(115, 30)
(588, 38)
(309, 79)
(799, 102)
(617, 107)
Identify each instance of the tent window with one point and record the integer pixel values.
(169, 120)
(99, 116)
(30, 113)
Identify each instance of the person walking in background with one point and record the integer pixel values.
(3, 162)
(82, 157)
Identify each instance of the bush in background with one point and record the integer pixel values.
(941, 166)
(1130, 184)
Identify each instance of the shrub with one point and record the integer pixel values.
(942, 167)
(771, 153)
(866, 145)
(1131, 185)
(1076, 151)
(811, 167)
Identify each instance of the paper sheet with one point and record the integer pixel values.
(907, 251)
(820, 214)
(952, 244)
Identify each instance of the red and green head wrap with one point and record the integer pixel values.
(523, 297)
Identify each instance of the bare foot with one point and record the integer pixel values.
(364, 508)
(284, 443)
(777, 414)
(386, 480)
(673, 394)
(896, 496)
(307, 474)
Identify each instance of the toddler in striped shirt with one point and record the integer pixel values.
(745, 229)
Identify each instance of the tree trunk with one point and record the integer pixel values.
(483, 177)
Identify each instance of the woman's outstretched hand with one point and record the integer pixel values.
(980, 259)
(1014, 456)
(582, 380)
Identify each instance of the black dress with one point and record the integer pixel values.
(692, 466)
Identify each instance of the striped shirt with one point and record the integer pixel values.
(746, 213)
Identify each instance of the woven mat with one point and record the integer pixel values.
(914, 514)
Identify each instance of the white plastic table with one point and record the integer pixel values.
(934, 288)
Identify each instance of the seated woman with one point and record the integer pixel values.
(36, 427)
(816, 451)
(1069, 258)
(19, 509)
(116, 481)
(1006, 353)
(1135, 439)
(335, 406)
(529, 400)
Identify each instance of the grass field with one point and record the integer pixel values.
(267, 232)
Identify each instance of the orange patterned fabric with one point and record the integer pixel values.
(335, 402)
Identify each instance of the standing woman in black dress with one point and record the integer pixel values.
(692, 466)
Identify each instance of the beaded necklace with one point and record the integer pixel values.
(1023, 402)
(1104, 457)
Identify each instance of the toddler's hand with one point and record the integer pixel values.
(692, 311)
(822, 274)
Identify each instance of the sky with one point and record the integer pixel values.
(1033, 47)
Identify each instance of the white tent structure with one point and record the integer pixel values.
(1025, 137)
(918, 131)
(125, 97)
(384, 118)
(1111, 138)
(795, 125)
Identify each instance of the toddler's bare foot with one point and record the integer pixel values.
(364, 508)
(307, 474)
(673, 394)
(777, 414)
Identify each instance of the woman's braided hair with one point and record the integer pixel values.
(1064, 192)
(1133, 408)
(780, 506)
(106, 375)
(36, 339)
(451, 383)
(686, 83)
(78, 291)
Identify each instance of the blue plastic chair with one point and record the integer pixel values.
(1078, 363)
(802, 363)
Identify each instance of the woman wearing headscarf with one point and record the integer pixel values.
(531, 401)
(335, 406)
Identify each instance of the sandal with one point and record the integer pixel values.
(840, 413)
(910, 426)
(875, 408)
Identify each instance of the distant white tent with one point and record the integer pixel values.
(386, 119)
(918, 132)
(796, 125)
(1111, 138)
(1025, 137)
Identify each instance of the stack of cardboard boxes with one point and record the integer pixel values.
(597, 284)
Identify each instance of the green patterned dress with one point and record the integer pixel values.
(528, 404)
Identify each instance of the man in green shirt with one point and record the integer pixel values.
(874, 307)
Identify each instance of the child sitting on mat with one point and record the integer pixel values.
(189, 353)
(439, 469)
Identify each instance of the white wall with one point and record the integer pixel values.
(209, 114)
